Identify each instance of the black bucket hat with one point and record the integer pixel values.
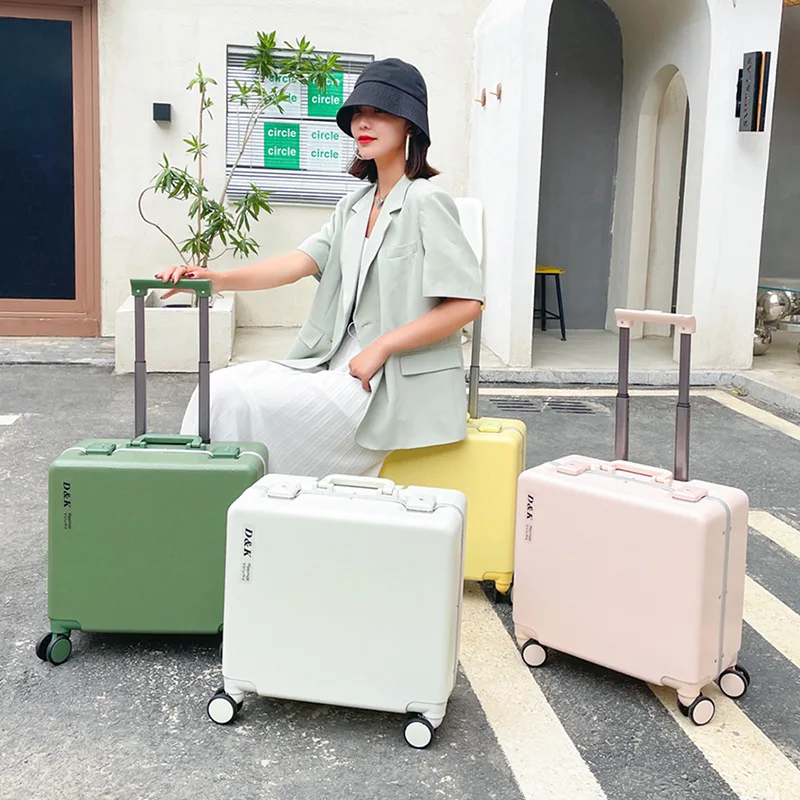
(393, 86)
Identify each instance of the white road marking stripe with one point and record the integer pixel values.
(9, 419)
(737, 749)
(757, 414)
(774, 620)
(782, 534)
(544, 760)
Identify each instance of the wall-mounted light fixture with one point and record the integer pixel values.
(162, 112)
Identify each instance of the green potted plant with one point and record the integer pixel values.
(217, 225)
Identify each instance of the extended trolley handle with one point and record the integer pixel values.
(685, 324)
(139, 289)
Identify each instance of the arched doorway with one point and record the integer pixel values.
(655, 278)
(582, 113)
(666, 217)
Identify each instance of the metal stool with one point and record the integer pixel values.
(543, 314)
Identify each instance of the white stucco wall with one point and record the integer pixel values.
(726, 170)
(148, 53)
(733, 190)
(505, 166)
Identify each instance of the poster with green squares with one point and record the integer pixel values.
(327, 103)
(282, 145)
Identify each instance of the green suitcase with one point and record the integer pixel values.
(137, 527)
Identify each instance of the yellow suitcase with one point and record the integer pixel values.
(485, 466)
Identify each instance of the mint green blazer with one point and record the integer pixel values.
(416, 256)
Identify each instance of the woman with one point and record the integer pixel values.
(377, 366)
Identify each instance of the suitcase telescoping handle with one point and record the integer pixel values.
(686, 325)
(139, 289)
(475, 367)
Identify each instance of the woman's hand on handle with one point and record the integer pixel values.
(183, 272)
(269, 274)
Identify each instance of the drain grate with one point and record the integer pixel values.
(535, 405)
(571, 407)
(519, 405)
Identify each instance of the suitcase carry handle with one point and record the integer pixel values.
(686, 325)
(141, 286)
(139, 289)
(384, 485)
(190, 442)
(658, 475)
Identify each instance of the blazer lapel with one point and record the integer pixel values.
(392, 204)
(352, 244)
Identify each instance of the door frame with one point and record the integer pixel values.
(81, 316)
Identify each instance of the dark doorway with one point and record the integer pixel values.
(582, 113)
(49, 182)
(37, 163)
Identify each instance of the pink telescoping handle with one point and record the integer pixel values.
(686, 325)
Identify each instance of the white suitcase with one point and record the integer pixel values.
(375, 577)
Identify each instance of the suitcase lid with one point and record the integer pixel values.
(175, 449)
(643, 476)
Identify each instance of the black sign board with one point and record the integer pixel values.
(751, 95)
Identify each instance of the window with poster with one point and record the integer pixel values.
(300, 156)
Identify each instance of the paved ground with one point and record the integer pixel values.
(125, 717)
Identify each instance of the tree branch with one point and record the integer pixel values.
(156, 225)
(251, 126)
(200, 172)
(219, 255)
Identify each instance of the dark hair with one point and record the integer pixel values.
(417, 165)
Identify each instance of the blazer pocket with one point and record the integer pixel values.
(310, 334)
(431, 361)
(401, 250)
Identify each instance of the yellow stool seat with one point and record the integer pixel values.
(542, 272)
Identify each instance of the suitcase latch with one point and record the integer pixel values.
(420, 503)
(690, 494)
(284, 491)
(100, 448)
(224, 451)
(573, 468)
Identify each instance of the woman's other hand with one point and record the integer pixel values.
(367, 363)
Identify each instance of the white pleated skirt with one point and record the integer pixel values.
(307, 420)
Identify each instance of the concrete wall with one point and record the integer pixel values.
(726, 170)
(780, 247)
(582, 107)
(148, 52)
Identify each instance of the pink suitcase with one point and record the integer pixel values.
(631, 568)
